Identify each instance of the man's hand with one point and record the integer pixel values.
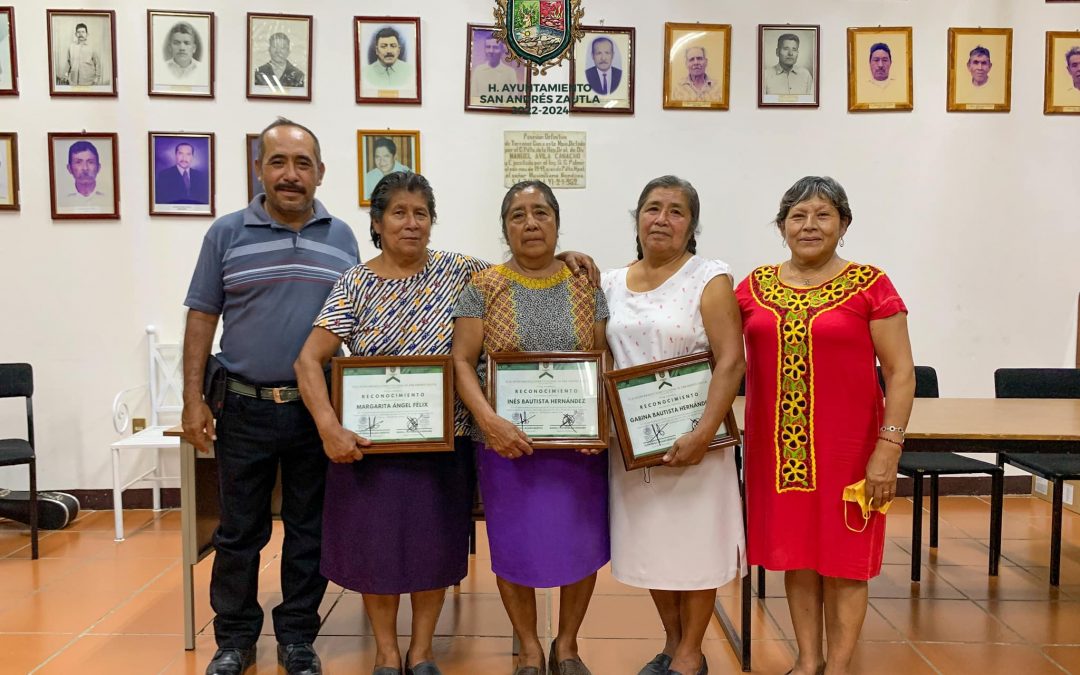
(198, 426)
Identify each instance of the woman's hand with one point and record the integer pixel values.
(579, 263)
(881, 472)
(591, 451)
(506, 438)
(688, 450)
(343, 446)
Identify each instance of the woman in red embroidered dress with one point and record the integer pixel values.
(816, 422)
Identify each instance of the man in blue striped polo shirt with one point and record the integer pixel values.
(266, 271)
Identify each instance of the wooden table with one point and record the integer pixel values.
(987, 425)
(199, 516)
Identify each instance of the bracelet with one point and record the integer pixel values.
(899, 430)
(889, 440)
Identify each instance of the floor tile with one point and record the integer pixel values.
(57, 612)
(987, 659)
(1011, 583)
(943, 621)
(1068, 657)
(24, 652)
(895, 582)
(111, 654)
(1039, 622)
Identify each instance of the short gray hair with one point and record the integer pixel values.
(692, 200)
(810, 187)
(1075, 51)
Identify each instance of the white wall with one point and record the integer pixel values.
(973, 215)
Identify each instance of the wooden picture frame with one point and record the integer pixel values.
(614, 46)
(379, 152)
(82, 52)
(387, 59)
(84, 175)
(271, 40)
(171, 155)
(1061, 90)
(9, 171)
(973, 83)
(180, 54)
(697, 90)
(880, 69)
(486, 84)
(618, 382)
(254, 185)
(9, 55)
(394, 392)
(783, 82)
(545, 364)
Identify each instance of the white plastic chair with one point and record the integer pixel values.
(166, 399)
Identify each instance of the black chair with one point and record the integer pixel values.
(1056, 467)
(917, 465)
(17, 379)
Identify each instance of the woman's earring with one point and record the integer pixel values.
(783, 242)
(841, 242)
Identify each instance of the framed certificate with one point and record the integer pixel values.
(399, 403)
(556, 398)
(655, 403)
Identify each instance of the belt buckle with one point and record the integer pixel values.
(277, 395)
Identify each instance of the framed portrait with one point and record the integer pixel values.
(279, 56)
(980, 70)
(880, 69)
(602, 71)
(254, 185)
(383, 151)
(387, 59)
(697, 67)
(84, 176)
(180, 53)
(1062, 95)
(181, 174)
(82, 52)
(493, 84)
(789, 66)
(9, 60)
(9, 171)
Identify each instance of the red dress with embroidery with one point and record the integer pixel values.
(813, 410)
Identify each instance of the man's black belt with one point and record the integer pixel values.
(275, 394)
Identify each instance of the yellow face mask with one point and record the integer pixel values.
(856, 492)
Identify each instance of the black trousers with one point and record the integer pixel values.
(254, 437)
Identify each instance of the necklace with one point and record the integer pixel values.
(807, 280)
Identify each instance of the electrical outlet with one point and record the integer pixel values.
(1042, 486)
(1067, 494)
(137, 424)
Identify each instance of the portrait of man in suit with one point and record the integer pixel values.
(182, 183)
(603, 77)
(279, 72)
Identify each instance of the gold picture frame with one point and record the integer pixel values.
(374, 147)
(880, 69)
(980, 79)
(1062, 87)
(681, 92)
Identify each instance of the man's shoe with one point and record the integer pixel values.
(299, 659)
(231, 661)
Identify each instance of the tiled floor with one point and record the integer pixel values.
(91, 605)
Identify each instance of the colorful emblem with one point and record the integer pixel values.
(539, 33)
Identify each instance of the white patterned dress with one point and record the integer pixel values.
(677, 529)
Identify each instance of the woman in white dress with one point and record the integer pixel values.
(677, 529)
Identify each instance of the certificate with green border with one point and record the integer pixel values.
(399, 403)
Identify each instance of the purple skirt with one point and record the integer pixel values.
(397, 524)
(547, 515)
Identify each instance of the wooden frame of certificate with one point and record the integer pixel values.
(549, 396)
(393, 401)
(659, 414)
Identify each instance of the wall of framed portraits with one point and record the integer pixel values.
(972, 212)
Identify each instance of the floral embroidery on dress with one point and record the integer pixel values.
(795, 310)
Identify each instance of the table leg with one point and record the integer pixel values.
(916, 527)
